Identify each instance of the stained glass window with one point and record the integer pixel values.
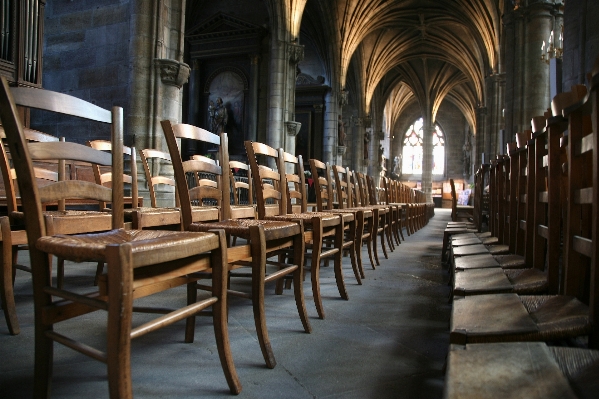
(412, 150)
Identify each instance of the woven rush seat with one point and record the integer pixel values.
(241, 227)
(505, 370)
(512, 318)
(581, 368)
(91, 247)
(328, 219)
(475, 262)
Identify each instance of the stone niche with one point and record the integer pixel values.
(224, 52)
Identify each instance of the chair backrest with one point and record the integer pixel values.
(152, 160)
(579, 225)
(454, 201)
(210, 180)
(24, 155)
(343, 186)
(297, 201)
(267, 181)
(321, 173)
(42, 171)
(104, 177)
(362, 189)
(241, 186)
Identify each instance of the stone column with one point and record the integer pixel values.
(276, 95)
(318, 125)
(373, 148)
(295, 54)
(342, 147)
(536, 85)
(357, 137)
(427, 159)
(172, 76)
(253, 100)
(329, 139)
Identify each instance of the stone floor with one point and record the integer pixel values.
(389, 340)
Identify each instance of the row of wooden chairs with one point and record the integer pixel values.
(525, 302)
(143, 255)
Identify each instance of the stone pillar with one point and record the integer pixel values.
(373, 148)
(329, 139)
(295, 54)
(318, 125)
(536, 85)
(427, 159)
(342, 147)
(173, 75)
(276, 95)
(357, 137)
(292, 128)
(253, 100)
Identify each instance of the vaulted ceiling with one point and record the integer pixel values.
(426, 51)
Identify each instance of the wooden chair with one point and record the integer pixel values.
(533, 369)
(484, 277)
(140, 263)
(364, 215)
(459, 211)
(397, 208)
(265, 239)
(511, 317)
(271, 186)
(12, 231)
(325, 195)
(366, 187)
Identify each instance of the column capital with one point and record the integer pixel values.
(318, 108)
(367, 122)
(172, 72)
(293, 128)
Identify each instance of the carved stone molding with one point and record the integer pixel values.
(318, 108)
(295, 52)
(293, 128)
(172, 72)
(343, 97)
(357, 122)
(341, 150)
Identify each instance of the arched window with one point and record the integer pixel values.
(412, 150)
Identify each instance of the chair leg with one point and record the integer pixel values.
(7, 295)
(99, 271)
(315, 266)
(339, 233)
(60, 272)
(375, 228)
(298, 279)
(258, 250)
(388, 232)
(359, 242)
(400, 224)
(120, 308)
(352, 251)
(219, 315)
(190, 322)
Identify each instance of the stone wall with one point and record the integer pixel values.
(581, 40)
(86, 50)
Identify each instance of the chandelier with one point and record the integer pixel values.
(554, 48)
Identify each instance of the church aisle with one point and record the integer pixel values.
(389, 340)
